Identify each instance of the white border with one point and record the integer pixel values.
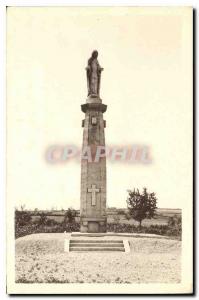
(99, 3)
(3, 4)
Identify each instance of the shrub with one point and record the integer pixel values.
(69, 216)
(51, 222)
(22, 217)
(175, 225)
(43, 219)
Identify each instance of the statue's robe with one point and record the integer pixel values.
(93, 76)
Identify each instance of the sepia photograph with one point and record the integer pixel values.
(99, 117)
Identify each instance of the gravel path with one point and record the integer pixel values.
(41, 258)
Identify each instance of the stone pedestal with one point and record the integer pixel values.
(93, 173)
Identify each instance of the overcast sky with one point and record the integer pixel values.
(146, 83)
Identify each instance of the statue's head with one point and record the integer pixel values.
(94, 54)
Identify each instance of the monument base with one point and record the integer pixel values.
(92, 225)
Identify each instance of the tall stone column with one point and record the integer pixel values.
(93, 170)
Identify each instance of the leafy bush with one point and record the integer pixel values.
(51, 222)
(69, 216)
(43, 219)
(22, 217)
(43, 225)
(70, 227)
(175, 225)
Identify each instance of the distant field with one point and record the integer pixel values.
(58, 219)
(169, 211)
(161, 218)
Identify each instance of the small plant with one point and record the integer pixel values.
(69, 216)
(69, 224)
(43, 219)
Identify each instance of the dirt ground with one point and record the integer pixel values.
(40, 258)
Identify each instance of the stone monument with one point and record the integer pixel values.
(93, 171)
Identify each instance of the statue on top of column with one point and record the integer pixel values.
(93, 72)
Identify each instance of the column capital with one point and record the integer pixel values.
(93, 106)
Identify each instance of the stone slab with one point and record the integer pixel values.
(143, 235)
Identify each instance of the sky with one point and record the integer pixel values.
(146, 54)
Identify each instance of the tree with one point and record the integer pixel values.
(141, 206)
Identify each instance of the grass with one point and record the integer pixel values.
(40, 258)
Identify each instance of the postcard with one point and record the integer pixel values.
(99, 150)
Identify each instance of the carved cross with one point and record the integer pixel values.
(93, 190)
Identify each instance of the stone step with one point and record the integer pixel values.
(76, 249)
(89, 234)
(97, 241)
(96, 245)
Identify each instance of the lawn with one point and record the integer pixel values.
(41, 258)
